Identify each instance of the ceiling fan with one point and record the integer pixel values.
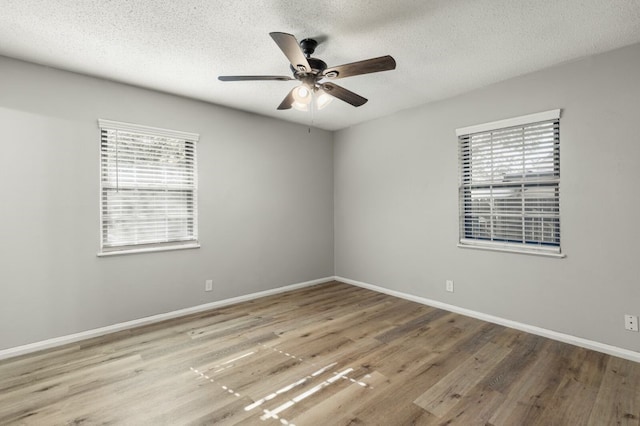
(314, 75)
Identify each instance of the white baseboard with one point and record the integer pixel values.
(71, 338)
(555, 335)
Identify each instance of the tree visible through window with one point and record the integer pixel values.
(509, 184)
(148, 187)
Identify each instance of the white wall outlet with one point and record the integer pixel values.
(631, 322)
(208, 285)
(449, 286)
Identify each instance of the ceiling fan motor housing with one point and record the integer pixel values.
(317, 66)
(308, 46)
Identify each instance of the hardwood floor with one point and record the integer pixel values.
(331, 354)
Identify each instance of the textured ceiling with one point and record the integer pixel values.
(442, 47)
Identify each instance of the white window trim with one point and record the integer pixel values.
(511, 248)
(540, 250)
(138, 128)
(553, 114)
(150, 248)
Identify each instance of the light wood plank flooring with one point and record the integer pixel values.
(331, 354)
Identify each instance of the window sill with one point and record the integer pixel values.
(148, 249)
(513, 250)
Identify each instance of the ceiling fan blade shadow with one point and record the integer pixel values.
(254, 77)
(343, 94)
(383, 63)
(291, 49)
(287, 102)
(320, 38)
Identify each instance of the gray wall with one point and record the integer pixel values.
(267, 194)
(396, 208)
(265, 206)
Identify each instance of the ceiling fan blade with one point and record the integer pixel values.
(343, 94)
(287, 102)
(291, 49)
(254, 77)
(383, 63)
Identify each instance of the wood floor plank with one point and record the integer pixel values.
(442, 397)
(618, 399)
(341, 404)
(571, 404)
(533, 392)
(507, 372)
(474, 408)
(328, 354)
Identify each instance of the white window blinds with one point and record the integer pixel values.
(148, 187)
(509, 194)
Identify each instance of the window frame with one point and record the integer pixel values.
(143, 131)
(466, 133)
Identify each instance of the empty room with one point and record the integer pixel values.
(319, 213)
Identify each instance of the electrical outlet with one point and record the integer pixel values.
(449, 286)
(208, 285)
(631, 322)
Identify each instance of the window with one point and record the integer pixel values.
(148, 188)
(509, 188)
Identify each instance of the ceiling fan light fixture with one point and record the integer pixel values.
(304, 98)
(302, 94)
(300, 106)
(323, 99)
